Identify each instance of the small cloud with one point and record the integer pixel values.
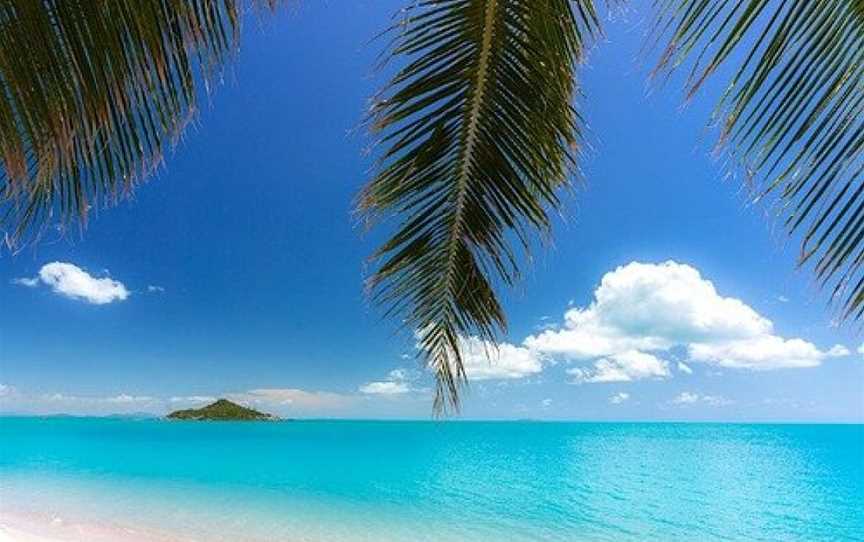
(782, 299)
(684, 368)
(71, 281)
(688, 398)
(546, 403)
(838, 351)
(398, 382)
(6, 390)
(153, 289)
(861, 349)
(193, 399)
(685, 398)
(385, 388)
(619, 398)
(295, 398)
(126, 399)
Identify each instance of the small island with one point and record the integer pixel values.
(221, 410)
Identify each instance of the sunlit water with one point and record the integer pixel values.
(346, 480)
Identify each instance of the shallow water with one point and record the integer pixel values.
(362, 480)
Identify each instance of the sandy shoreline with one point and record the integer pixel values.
(34, 528)
(12, 534)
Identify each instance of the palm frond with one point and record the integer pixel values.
(792, 115)
(92, 93)
(479, 132)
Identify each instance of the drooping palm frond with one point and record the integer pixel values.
(92, 92)
(792, 115)
(479, 132)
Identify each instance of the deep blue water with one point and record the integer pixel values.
(359, 480)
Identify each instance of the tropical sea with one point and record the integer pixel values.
(147, 479)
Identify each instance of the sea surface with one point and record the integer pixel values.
(439, 481)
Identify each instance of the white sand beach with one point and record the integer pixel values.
(12, 534)
(32, 528)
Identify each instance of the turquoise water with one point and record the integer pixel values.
(347, 480)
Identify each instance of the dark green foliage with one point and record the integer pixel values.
(221, 410)
(478, 132)
(91, 95)
(792, 116)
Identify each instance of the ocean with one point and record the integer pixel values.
(437, 481)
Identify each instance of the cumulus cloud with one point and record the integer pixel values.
(385, 388)
(623, 367)
(652, 308)
(398, 382)
(690, 398)
(763, 353)
(71, 281)
(483, 361)
(619, 398)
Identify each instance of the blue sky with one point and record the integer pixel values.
(239, 269)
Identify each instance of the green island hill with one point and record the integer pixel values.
(221, 410)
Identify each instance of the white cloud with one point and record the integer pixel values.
(71, 281)
(838, 351)
(546, 403)
(782, 299)
(685, 397)
(651, 308)
(860, 349)
(385, 388)
(763, 353)
(684, 368)
(483, 361)
(128, 399)
(192, 399)
(619, 398)
(623, 367)
(398, 382)
(291, 397)
(153, 289)
(281, 401)
(689, 398)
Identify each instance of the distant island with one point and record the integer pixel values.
(221, 410)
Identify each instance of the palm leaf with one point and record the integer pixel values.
(791, 115)
(92, 93)
(478, 133)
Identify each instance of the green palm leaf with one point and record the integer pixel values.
(479, 132)
(792, 115)
(92, 93)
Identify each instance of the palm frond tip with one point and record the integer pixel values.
(478, 133)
